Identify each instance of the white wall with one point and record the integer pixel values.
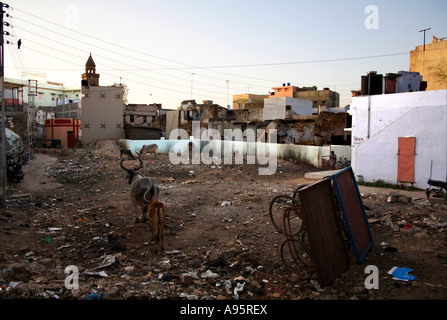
(275, 108)
(304, 153)
(378, 121)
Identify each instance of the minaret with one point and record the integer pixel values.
(90, 74)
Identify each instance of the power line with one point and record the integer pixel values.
(184, 68)
(190, 67)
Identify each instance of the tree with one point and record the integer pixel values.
(441, 76)
(126, 90)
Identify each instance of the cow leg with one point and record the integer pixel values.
(137, 210)
(145, 213)
(162, 227)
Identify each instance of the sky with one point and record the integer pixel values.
(168, 51)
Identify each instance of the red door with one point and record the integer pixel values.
(405, 159)
(71, 140)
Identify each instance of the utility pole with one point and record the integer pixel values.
(228, 106)
(423, 30)
(3, 129)
(192, 77)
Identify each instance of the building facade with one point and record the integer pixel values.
(390, 139)
(431, 63)
(102, 108)
(325, 97)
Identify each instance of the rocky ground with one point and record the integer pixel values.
(73, 210)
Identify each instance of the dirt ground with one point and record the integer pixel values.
(73, 209)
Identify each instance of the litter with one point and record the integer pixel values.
(225, 203)
(402, 274)
(95, 296)
(96, 274)
(239, 288)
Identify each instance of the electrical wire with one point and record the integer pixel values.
(185, 68)
(191, 67)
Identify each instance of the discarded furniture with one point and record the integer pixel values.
(350, 201)
(319, 221)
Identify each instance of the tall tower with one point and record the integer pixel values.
(90, 77)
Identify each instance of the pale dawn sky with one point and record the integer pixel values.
(171, 50)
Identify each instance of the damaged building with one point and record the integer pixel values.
(143, 121)
(324, 128)
(293, 118)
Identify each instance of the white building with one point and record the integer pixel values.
(44, 95)
(400, 138)
(282, 107)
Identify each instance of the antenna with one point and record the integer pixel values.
(423, 30)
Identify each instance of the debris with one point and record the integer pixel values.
(20, 195)
(395, 197)
(402, 274)
(130, 270)
(107, 261)
(96, 274)
(47, 240)
(238, 289)
(225, 203)
(316, 285)
(187, 278)
(209, 274)
(95, 296)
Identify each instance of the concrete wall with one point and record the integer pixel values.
(308, 154)
(102, 113)
(378, 121)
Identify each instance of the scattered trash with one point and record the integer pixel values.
(238, 289)
(101, 274)
(316, 285)
(394, 197)
(401, 274)
(209, 274)
(47, 240)
(107, 261)
(95, 296)
(225, 203)
(227, 285)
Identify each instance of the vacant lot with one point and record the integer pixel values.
(73, 209)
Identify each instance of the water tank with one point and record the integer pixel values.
(390, 82)
(408, 81)
(372, 83)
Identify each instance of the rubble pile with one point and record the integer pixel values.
(219, 240)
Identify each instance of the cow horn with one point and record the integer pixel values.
(122, 166)
(141, 164)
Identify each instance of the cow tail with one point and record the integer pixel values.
(151, 192)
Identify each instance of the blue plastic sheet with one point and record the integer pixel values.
(402, 274)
